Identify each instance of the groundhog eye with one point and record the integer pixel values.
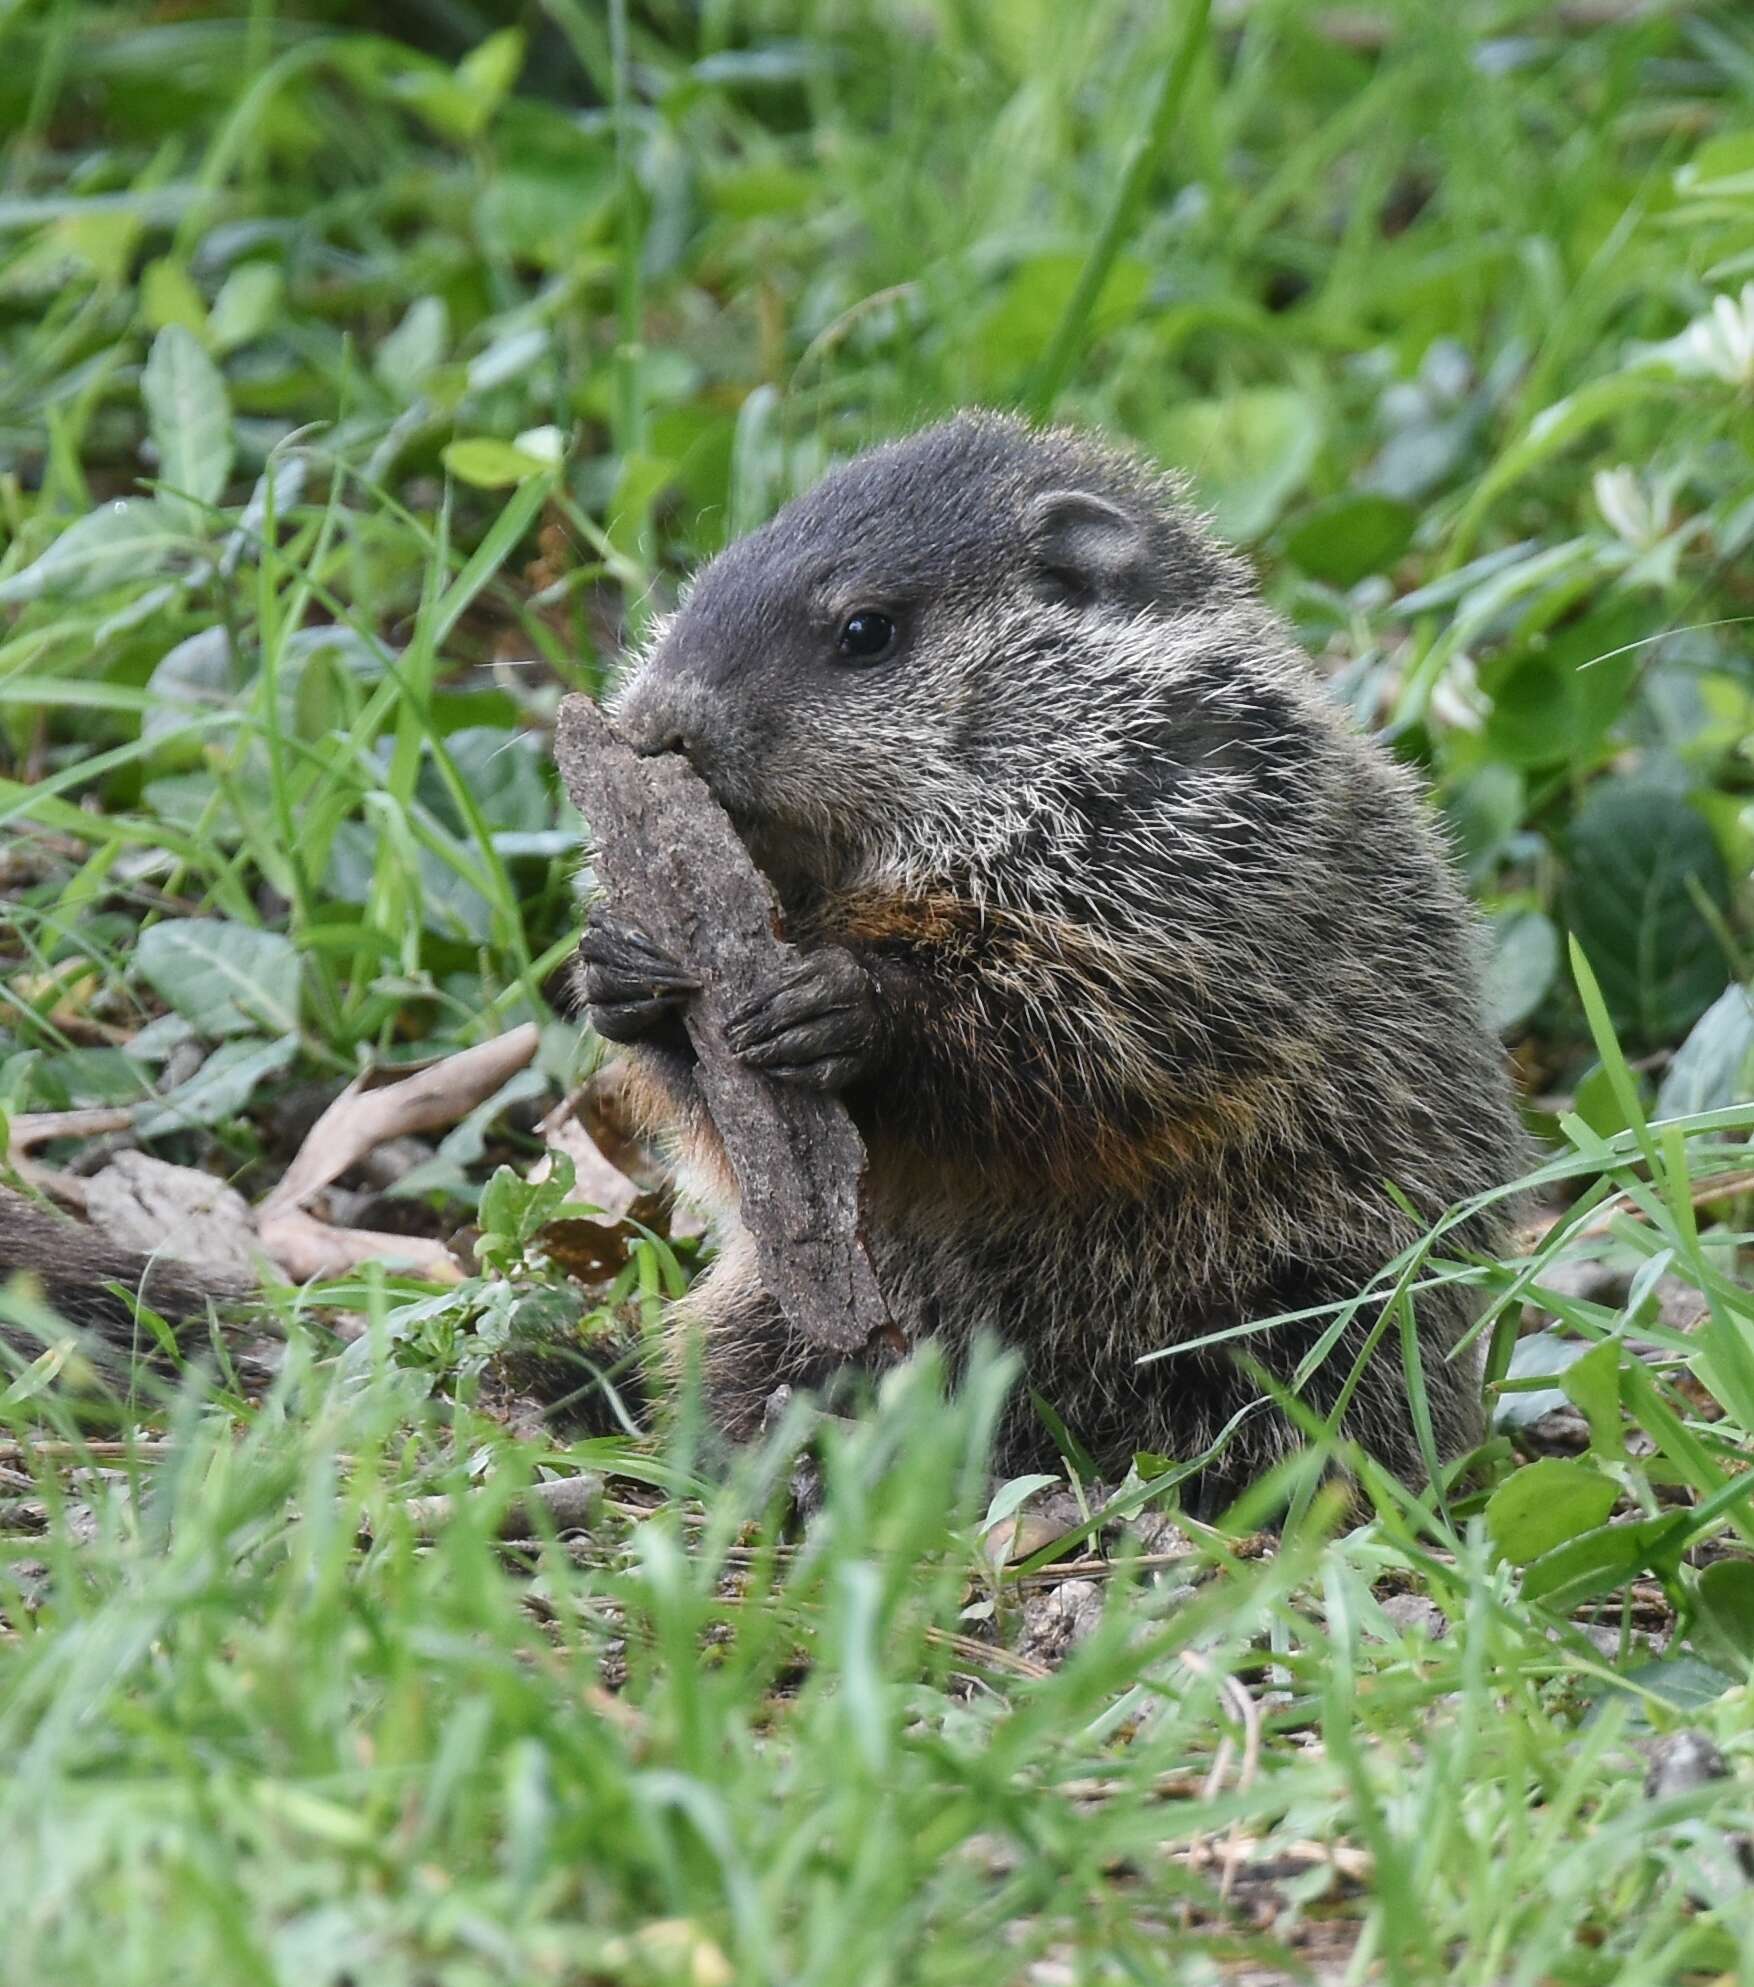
(864, 636)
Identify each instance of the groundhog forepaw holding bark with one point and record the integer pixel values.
(815, 1025)
(631, 986)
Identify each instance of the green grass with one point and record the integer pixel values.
(422, 368)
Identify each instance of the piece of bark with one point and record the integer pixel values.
(664, 849)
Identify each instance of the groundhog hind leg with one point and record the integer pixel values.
(733, 1331)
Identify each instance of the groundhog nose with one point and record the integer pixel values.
(681, 740)
(652, 725)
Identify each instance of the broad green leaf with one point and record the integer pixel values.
(39, 1374)
(1485, 810)
(1726, 1608)
(503, 771)
(105, 240)
(1012, 1496)
(491, 465)
(514, 1210)
(1553, 699)
(190, 418)
(1722, 166)
(220, 1089)
(1638, 853)
(168, 296)
(1595, 1562)
(1592, 1385)
(228, 979)
(1683, 1681)
(509, 357)
(197, 675)
(80, 1078)
(1715, 1065)
(1596, 1099)
(1426, 453)
(1348, 538)
(1545, 1504)
(459, 103)
(126, 540)
(1523, 966)
(416, 345)
(1538, 1354)
(1247, 455)
(488, 72)
(248, 304)
(551, 187)
(137, 611)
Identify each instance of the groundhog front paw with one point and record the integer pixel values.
(631, 987)
(815, 1025)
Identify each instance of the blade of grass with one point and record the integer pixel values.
(1144, 157)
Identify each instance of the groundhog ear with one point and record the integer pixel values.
(1088, 550)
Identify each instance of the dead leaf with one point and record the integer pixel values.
(366, 1115)
(34, 1128)
(370, 1111)
(596, 1179)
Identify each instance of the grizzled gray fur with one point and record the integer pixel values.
(1142, 972)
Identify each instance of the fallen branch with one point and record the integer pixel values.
(561, 1504)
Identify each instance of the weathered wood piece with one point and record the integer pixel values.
(665, 853)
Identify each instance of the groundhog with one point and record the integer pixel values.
(1142, 972)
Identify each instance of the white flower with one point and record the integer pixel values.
(1720, 342)
(1638, 514)
(1457, 701)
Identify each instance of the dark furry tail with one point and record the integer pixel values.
(80, 1276)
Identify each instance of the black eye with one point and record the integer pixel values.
(865, 635)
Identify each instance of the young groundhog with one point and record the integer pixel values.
(1142, 973)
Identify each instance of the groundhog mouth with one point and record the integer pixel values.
(796, 859)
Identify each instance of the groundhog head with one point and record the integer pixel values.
(901, 639)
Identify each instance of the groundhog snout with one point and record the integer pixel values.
(655, 715)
